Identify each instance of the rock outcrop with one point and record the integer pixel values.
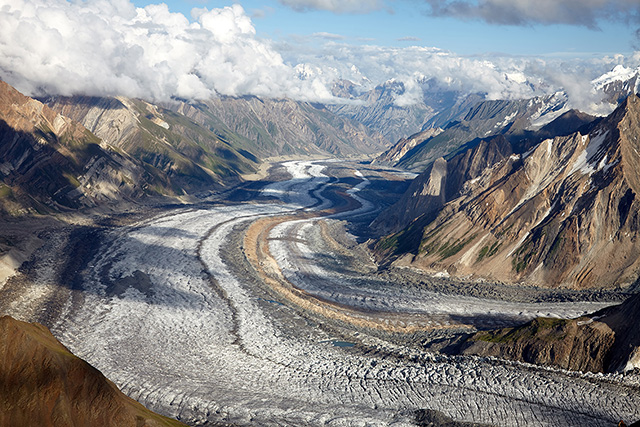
(606, 341)
(565, 213)
(43, 384)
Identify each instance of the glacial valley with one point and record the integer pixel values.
(270, 310)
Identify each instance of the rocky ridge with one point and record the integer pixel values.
(467, 165)
(276, 127)
(191, 157)
(441, 183)
(403, 146)
(601, 342)
(49, 162)
(565, 213)
(483, 120)
(471, 117)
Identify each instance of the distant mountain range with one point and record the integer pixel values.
(67, 153)
(515, 119)
(385, 110)
(465, 117)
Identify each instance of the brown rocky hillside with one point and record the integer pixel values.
(43, 384)
(606, 341)
(49, 163)
(566, 213)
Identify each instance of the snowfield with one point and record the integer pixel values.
(172, 312)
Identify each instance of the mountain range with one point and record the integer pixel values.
(384, 109)
(563, 213)
(514, 191)
(62, 153)
(50, 163)
(461, 119)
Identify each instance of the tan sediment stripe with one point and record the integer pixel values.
(256, 248)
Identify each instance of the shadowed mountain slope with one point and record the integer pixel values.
(192, 156)
(50, 163)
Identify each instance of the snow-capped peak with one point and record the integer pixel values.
(619, 74)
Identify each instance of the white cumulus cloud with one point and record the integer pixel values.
(110, 47)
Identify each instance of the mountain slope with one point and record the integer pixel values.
(563, 214)
(191, 156)
(275, 127)
(606, 341)
(43, 384)
(440, 183)
(483, 120)
(397, 151)
(50, 163)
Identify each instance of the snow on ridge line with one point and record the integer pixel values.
(620, 73)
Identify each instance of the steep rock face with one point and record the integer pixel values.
(470, 164)
(43, 384)
(562, 214)
(274, 127)
(440, 183)
(192, 157)
(606, 341)
(49, 162)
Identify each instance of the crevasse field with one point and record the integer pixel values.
(172, 311)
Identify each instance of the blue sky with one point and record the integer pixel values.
(404, 23)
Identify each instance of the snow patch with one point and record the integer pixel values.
(584, 162)
(506, 120)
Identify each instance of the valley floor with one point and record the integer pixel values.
(268, 310)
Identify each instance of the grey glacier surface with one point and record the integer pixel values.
(172, 313)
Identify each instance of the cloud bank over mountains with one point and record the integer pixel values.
(102, 47)
(110, 47)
